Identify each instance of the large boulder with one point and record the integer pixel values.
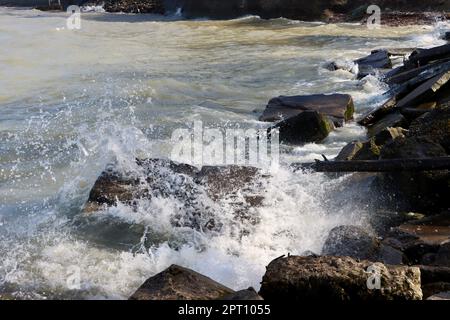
(339, 107)
(328, 278)
(351, 241)
(178, 283)
(308, 126)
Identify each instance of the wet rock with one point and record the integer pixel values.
(443, 255)
(435, 126)
(376, 115)
(433, 274)
(246, 295)
(395, 119)
(338, 279)
(378, 59)
(350, 151)
(390, 255)
(339, 107)
(389, 134)
(412, 147)
(133, 6)
(179, 283)
(351, 241)
(308, 126)
(446, 36)
(440, 296)
(423, 56)
(424, 91)
(434, 288)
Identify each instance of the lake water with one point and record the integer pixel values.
(72, 101)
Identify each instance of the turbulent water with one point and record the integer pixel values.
(73, 101)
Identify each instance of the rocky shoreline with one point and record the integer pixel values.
(394, 13)
(410, 257)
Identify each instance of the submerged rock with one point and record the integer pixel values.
(339, 107)
(338, 279)
(179, 283)
(308, 126)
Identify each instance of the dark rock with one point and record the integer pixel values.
(446, 36)
(434, 288)
(413, 113)
(134, 6)
(349, 151)
(339, 107)
(375, 115)
(443, 255)
(239, 186)
(337, 279)
(432, 274)
(308, 126)
(390, 255)
(378, 59)
(435, 126)
(424, 91)
(395, 119)
(440, 296)
(412, 147)
(178, 283)
(351, 241)
(246, 295)
(389, 134)
(423, 56)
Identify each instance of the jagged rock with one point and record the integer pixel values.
(179, 283)
(350, 151)
(246, 295)
(435, 126)
(375, 115)
(134, 6)
(351, 241)
(337, 278)
(395, 119)
(308, 126)
(389, 134)
(412, 147)
(440, 296)
(424, 91)
(339, 107)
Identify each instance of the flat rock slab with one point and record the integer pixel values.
(338, 106)
(425, 90)
(422, 56)
(329, 278)
(440, 296)
(431, 230)
(179, 283)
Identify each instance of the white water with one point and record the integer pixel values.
(73, 101)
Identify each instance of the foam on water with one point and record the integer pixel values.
(119, 98)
